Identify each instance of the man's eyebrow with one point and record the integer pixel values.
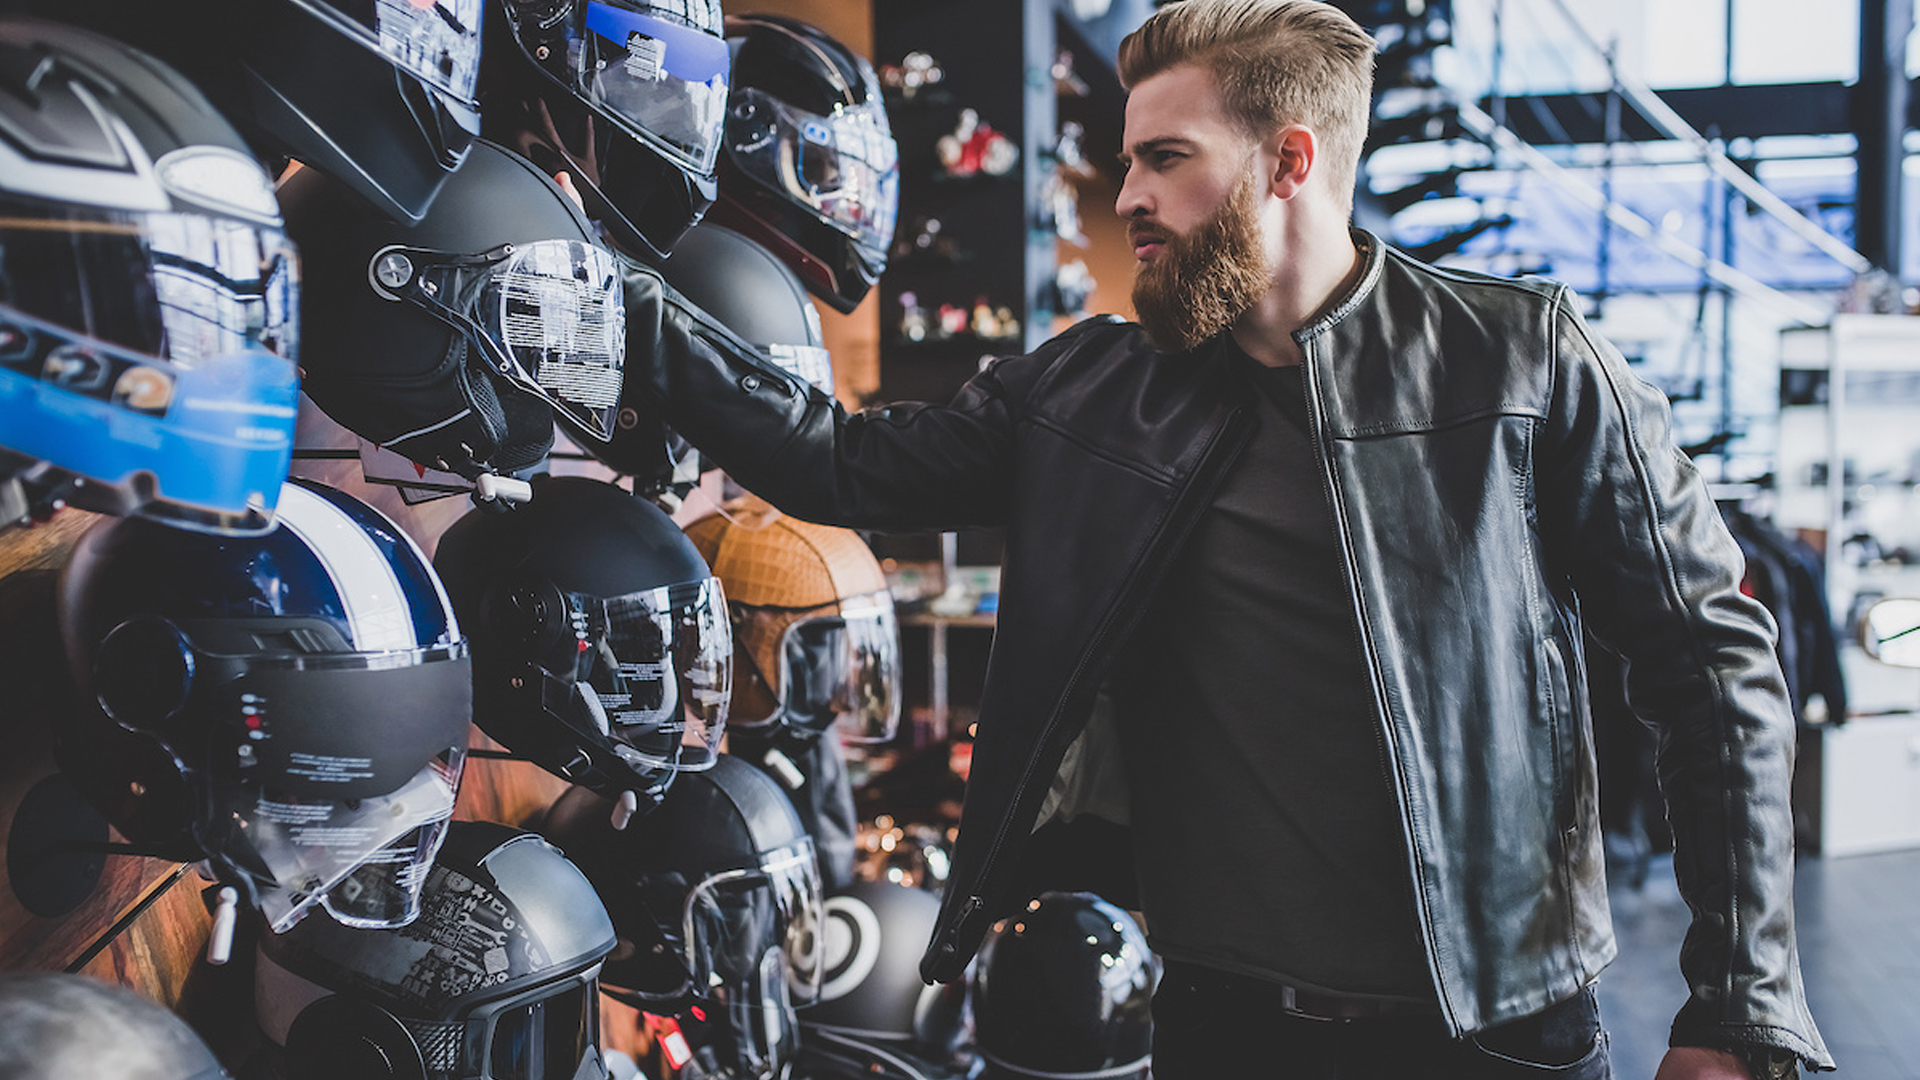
(1147, 146)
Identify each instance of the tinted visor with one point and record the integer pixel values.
(546, 1038)
(435, 41)
(153, 354)
(665, 82)
(549, 315)
(842, 168)
(661, 663)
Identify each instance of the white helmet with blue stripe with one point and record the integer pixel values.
(310, 687)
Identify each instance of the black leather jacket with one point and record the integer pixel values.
(1497, 478)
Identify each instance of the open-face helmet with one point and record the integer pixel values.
(811, 169)
(458, 341)
(718, 894)
(1064, 988)
(871, 993)
(815, 639)
(308, 690)
(601, 646)
(625, 95)
(496, 980)
(147, 294)
(60, 1026)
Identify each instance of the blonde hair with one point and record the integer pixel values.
(1277, 62)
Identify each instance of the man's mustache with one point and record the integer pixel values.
(1139, 233)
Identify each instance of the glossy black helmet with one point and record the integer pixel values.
(719, 895)
(1064, 989)
(308, 693)
(458, 341)
(601, 645)
(147, 294)
(625, 95)
(811, 168)
(497, 978)
(61, 1026)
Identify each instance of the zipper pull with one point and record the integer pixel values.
(938, 965)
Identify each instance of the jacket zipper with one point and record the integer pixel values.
(1316, 411)
(1180, 521)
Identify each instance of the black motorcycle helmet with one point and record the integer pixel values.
(625, 95)
(750, 292)
(147, 294)
(811, 169)
(718, 894)
(1064, 989)
(601, 646)
(870, 985)
(496, 979)
(63, 1026)
(305, 696)
(378, 95)
(459, 341)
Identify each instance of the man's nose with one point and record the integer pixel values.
(1133, 200)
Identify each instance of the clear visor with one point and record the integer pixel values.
(661, 663)
(836, 669)
(549, 315)
(753, 948)
(435, 41)
(153, 354)
(663, 81)
(843, 167)
(308, 848)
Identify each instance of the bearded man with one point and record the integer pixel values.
(1320, 538)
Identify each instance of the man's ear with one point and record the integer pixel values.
(1293, 151)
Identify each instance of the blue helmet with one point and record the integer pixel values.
(308, 690)
(147, 294)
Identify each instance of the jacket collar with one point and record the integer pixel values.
(1373, 257)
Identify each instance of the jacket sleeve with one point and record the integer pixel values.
(1630, 523)
(903, 467)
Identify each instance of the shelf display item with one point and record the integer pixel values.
(602, 650)
(811, 170)
(308, 691)
(974, 148)
(148, 296)
(626, 96)
(718, 897)
(459, 341)
(915, 72)
(497, 978)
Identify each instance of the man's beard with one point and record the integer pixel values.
(1201, 283)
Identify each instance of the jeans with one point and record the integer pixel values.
(1208, 1027)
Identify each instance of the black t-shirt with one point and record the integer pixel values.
(1268, 839)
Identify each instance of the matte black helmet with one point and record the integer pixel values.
(601, 645)
(625, 95)
(376, 93)
(147, 294)
(459, 340)
(308, 690)
(62, 1026)
(718, 893)
(870, 985)
(811, 168)
(1064, 989)
(495, 979)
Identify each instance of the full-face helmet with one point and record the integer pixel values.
(61, 1026)
(147, 294)
(600, 640)
(308, 692)
(811, 169)
(813, 625)
(496, 980)
(718, 894)
(1064, 989)
(625, 95)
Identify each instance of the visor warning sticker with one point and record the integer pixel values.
(646, 57)
(327, 769)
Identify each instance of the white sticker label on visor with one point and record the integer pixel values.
(646, 57)
(329, 770)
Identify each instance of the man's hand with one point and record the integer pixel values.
(1700, 1063)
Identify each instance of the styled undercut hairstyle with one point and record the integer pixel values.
(1277, 62)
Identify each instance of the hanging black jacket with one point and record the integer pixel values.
(1496, 475)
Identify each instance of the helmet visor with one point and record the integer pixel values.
(153, 354)
(435, 41)
(661, 664)
(384, 890)
(846, 669)
(549, 1036)
(549, 315)
(843, 168)
(753, 945)
(662, 81)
